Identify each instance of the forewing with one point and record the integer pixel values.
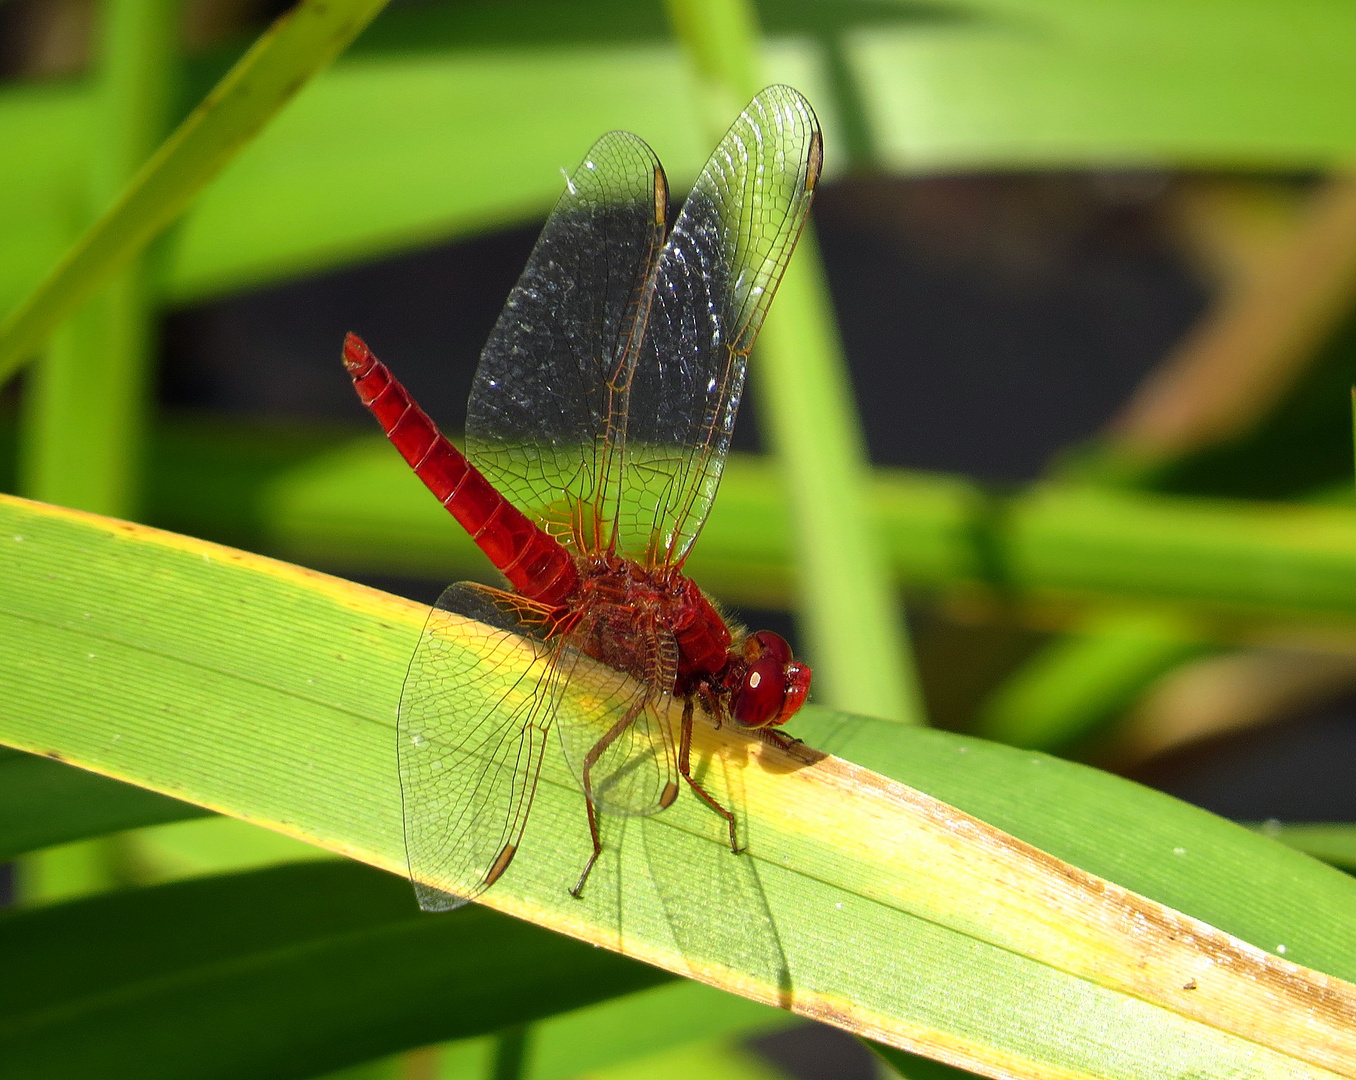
(547, 409)
(472, 727)
(714, 282)
(624, 723)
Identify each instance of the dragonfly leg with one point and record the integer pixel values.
(597, 848)
(712, 707)
(779, 739)
(685, 768)
(586, 776)
(790, 744)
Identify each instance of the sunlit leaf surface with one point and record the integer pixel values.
(269, 692)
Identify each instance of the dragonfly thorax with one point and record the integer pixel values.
(751, 678)
(631, 604)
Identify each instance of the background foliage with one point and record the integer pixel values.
(1200, 549)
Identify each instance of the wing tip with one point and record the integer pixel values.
(786, 94)
(662, 197)
(814, 161)
(501, 863)
(781, 96)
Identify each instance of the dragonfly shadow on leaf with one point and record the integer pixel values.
(710, 899)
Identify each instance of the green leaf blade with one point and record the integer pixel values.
(44, 803)
(298, 45)
(280, 973)
(268, 691)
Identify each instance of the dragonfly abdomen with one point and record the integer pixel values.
(536, 565)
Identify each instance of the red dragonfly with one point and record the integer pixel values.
(596, 433)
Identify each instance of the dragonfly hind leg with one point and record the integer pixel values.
(586, 777)
(685, 768)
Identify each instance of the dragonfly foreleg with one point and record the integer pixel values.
(788, 744)
(685, 768)
(711, 705)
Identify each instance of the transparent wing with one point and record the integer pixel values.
(547, 410)
(622, 731)
(713, 899)
(471, 731)
(714, 282)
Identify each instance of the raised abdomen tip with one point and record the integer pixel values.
(358, 358)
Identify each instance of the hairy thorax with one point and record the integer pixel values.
(632, 605)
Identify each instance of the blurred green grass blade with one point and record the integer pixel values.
(912, 1067)
(1074, 686)
(612, 1033)
(1333, 842)
(324, 498)
(53, 875)
(53, 122)
(44, 803)
(280, 63)
(464, 170)
(710, 1061)
(848, 602)
(1274, 560)
(270, 691)
(86, 410)
(1229, 562)
(1047, 83)
(722, 43)
(138, 66)
(651, 1021)
(203, 847)
(85, 407)
(281, 973)
(509, 1054)
(945, 86)
(848, 609)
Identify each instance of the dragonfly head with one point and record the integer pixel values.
(774, 685)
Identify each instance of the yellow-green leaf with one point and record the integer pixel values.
(268, 692)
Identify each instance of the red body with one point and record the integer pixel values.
(627, 592)
(542, 570)
(535, 564)
(603, 404)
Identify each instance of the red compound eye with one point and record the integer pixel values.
(797, 678)
(770, 645)
(775, 683)
(758, 701)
